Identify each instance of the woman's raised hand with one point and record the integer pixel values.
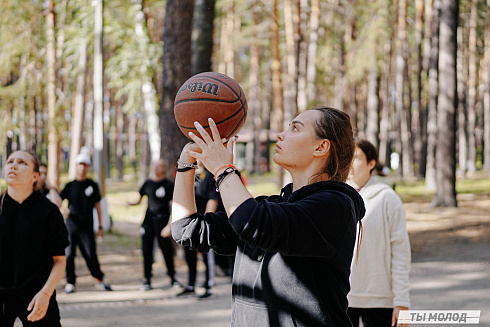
(213, 154)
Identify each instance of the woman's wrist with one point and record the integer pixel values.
(221, 169)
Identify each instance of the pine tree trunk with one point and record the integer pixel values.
(472, 80)
(78, 109)
(385, 124)
(419, 116)
(403, 110)
(176, 70)
(430, 174)
(340, 79)
(53, 177)
(462, 141)
(227, 27)
(447, 104)
(202, 36)
(99, 156)
(132, 139)
(144, 156)
(372, 126)
(277, 118)
(486, 110)
(312, 49)
(254, 104)
(290, 107)
(120, 140)
(147, 86)
(302, 55)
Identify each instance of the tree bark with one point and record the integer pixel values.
(150, 97)
(486, 110)
(254, 100)
(226, 65)
(462, 140)
(312, 50)
(419, 122)
(176, 70)
(120, 141)
(385, 123)
(78, 109)
(430, 174)
(448, 102)
(372, 122)
(202, 36)
(290, 104)
(99, 155)
(472, 80)
(53, 177)
(277, 119)
(402, 110)
(302, 55)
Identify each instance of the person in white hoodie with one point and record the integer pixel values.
(380, 277)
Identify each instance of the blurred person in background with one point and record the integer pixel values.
(380, 278)
(159, 191)
(83, 196)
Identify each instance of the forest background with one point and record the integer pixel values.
(414, 76)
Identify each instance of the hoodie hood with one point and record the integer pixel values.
(333, 186)
(372, 188)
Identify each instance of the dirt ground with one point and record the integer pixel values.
(450, 270)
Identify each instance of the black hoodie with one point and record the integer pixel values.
(293, 254)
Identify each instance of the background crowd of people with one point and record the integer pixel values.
(334, 222)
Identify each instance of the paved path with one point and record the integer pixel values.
(437, 283)
(455, 278)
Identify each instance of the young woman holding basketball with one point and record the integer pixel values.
(33, 238)
(293, 250)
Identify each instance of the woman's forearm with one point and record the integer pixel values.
(184, 203)
(57, 272)
(233, 193)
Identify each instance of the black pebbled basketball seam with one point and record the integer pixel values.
(239, 98)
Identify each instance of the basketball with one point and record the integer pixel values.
(210, 95)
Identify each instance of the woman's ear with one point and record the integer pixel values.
(371, 165)
(323, 148)
(35, 177)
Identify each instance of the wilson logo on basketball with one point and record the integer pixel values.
(208, 88)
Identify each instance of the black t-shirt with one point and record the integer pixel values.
(31, 233)
(159, 196)
(206, 190)
(82, 197)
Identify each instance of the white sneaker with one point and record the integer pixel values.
(70, 288)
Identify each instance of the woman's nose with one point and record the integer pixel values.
(280, 136)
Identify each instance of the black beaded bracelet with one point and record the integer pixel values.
(222, 176)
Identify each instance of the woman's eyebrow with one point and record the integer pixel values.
(297, 122)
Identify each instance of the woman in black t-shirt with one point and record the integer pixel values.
(159, 191)
(83, 196)
(33, 238)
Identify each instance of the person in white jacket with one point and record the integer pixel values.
(380, 274)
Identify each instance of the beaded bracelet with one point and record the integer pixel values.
(228, 165)
(187, 166)
(222, 176)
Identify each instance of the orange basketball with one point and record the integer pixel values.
(210, 95)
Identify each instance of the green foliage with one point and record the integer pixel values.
(136, 58)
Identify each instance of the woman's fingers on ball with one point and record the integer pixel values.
(214, 129)
(203, 132)
(197, 139)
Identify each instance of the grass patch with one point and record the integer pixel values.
(115, 240)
